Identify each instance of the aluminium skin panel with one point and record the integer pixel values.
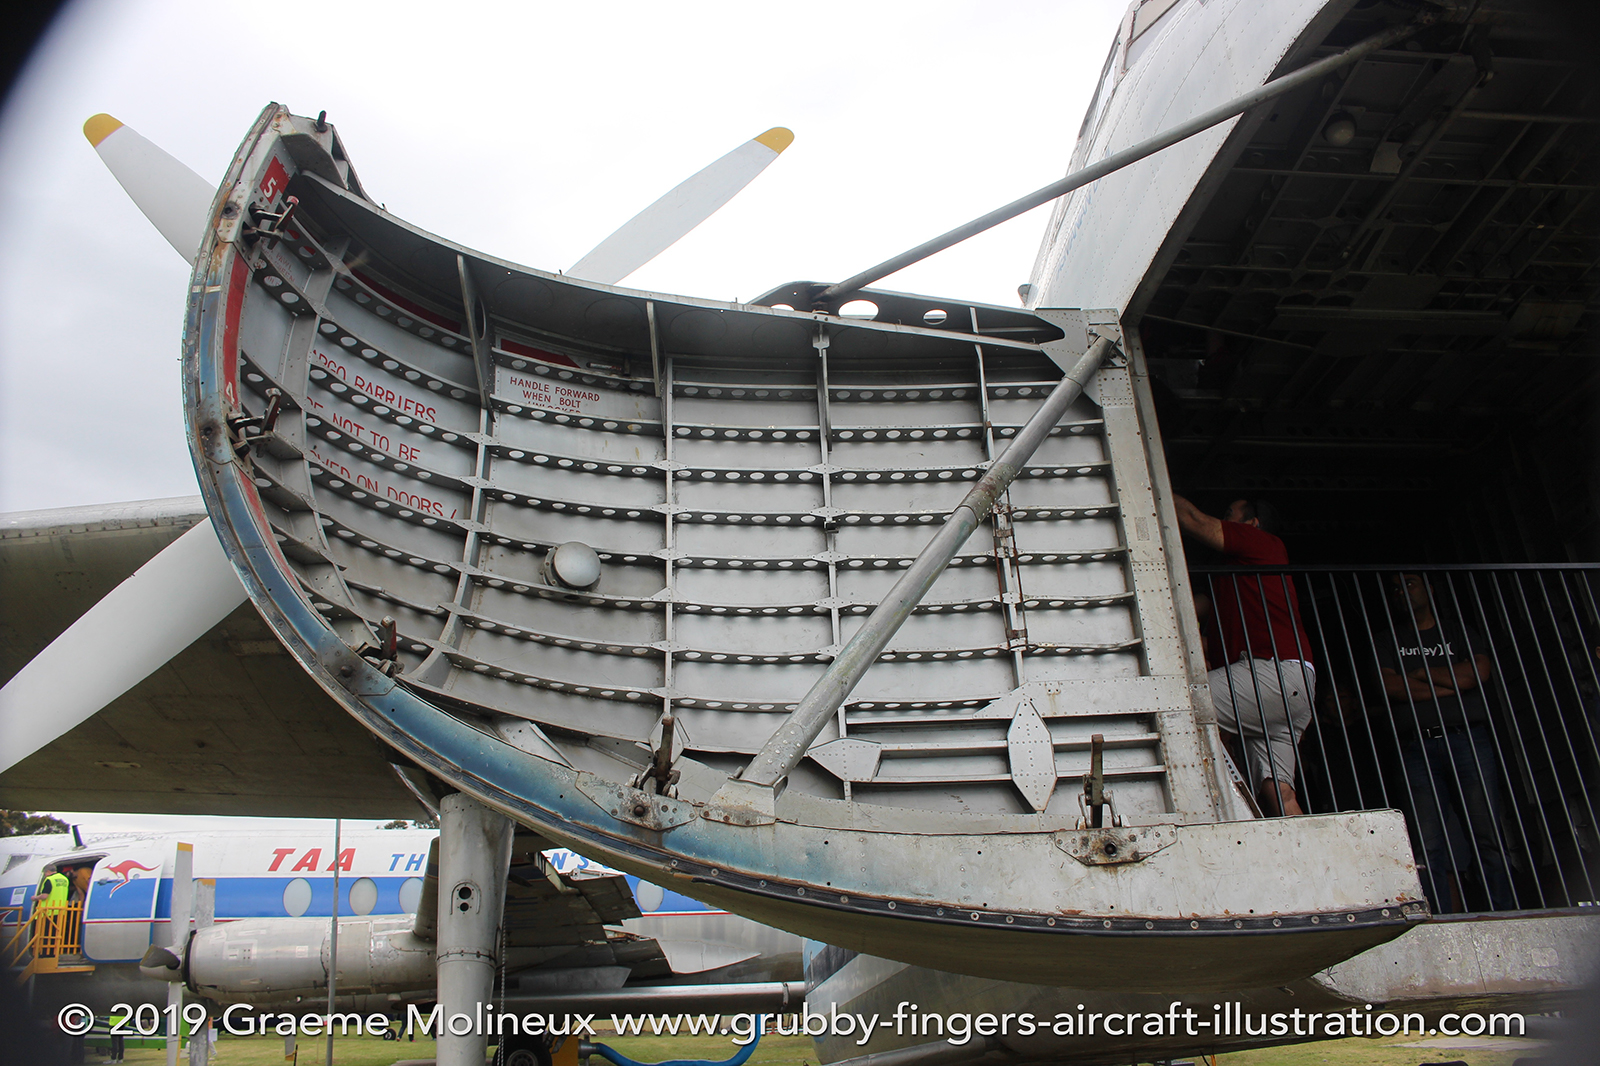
(1101, 239)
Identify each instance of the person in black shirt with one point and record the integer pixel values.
(1434, 672)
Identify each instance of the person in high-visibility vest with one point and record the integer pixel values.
(49, 914)
(118, 1045)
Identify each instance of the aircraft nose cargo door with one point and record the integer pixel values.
(120, 910)
(581, 552)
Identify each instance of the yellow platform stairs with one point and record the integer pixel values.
(50, 941)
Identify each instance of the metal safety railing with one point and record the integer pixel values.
(1466, 696)
(13, 927)
(49, 933)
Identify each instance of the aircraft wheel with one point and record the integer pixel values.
(524, 1051)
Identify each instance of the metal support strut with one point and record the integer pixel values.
(783, 752)
(1221, 113)
(474, 858)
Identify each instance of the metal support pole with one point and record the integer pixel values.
(784, 750)
(474, 858)
(333, 935)
(1118, 160)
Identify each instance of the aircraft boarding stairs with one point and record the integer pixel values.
(582, 553)
(47, 942)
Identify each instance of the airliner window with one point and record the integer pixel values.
(411, 895)
(297, 897)
(363, 896)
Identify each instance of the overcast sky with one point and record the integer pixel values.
(527, 130)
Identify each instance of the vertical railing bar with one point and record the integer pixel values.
(1422, 739)
(1499, 746)
(1572, 676)
(1594, 608)
(1316, 719)
(1255, 686)
(1388, 704)
(1588, 658)
(1516, 649)
(1494, 734)
(1361, 699)
(1464, 809)
(1544, 738)
(1291, 606)
(1594, 624)
(1581, 713)
(1233, 703)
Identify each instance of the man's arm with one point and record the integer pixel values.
(1197, 523)
(1416, 685)
(1463, 675)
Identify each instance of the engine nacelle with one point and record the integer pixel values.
(274, 960)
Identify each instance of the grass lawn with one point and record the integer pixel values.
(1383, 1051)
(371, 1051)
(268, 1051)
(798, 1050)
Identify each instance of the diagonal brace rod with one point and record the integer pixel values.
(1237, 106)
(784, 750)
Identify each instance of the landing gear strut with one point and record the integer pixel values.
(474, 856)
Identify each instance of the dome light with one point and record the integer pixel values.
(574, 565)
(1340, 130)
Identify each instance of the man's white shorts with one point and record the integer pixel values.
(1268, 703)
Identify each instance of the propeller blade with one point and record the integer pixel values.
(165, 606)
(173, 197)
(656, 228)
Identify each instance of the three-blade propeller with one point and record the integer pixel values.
(189, 587)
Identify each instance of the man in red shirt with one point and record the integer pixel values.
(1263, 694)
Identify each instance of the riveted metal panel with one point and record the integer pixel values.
(753, 481)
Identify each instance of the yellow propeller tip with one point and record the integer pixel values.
(777, 138)
(101, 126)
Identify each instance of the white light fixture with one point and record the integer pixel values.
(573, 565)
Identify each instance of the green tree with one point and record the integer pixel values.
(24, 824)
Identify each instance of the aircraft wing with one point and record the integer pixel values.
(231, 725)
(557, 924)
(565, 919)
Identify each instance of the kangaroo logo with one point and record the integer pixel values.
(122, 873)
